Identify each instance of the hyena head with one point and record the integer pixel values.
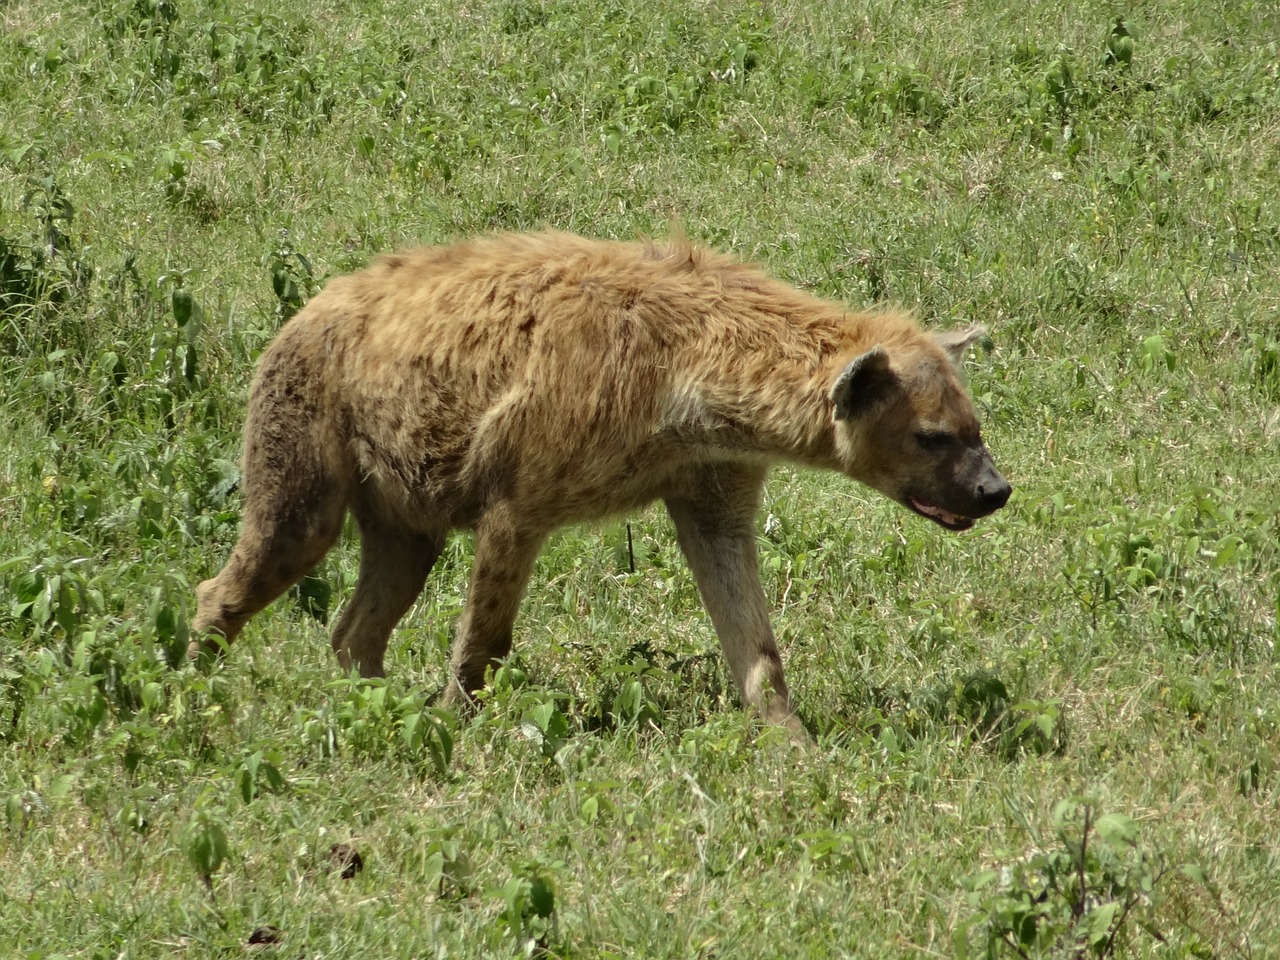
(908, 428)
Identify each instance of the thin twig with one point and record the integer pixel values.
(1079, 908)
(1015, 947)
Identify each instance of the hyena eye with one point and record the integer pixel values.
(935, 441)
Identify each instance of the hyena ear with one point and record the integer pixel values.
(956, 342)
(865, 382)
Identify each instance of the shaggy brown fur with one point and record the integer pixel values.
(515, 384)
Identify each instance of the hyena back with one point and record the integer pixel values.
(516, 384)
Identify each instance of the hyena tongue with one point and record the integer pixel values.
(945, 517)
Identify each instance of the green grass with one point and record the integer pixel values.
(1097, 662)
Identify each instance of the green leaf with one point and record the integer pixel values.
(204, 841)
(513, 895)
(1117, 829)
(540, 715)
(16, 154)
(1099, 921)
(542, 896)
(61, 786)
(183, 306)
(275, 779)
(26, 586)
(1195, 873)
(1063, 811)
(152, 696)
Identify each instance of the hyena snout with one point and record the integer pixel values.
(991, 491)
(957, 498)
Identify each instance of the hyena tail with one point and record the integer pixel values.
(296, 483)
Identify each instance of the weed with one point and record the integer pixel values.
(204, 841)
(1091, 894)
(41, 276)
(529, 908)
(292, 280)
(374, 722)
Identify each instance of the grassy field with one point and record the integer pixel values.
(1055, 736)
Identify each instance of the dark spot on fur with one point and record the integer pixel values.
(393, 261)
(494, 579)
(550, 280)
(426, 467)
(527, 327)
(629, 299)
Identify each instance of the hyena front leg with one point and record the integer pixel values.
(504, 558)
(393, 567)
(715, 526)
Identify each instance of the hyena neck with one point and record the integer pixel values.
(796, 417)
(799, 427)
(768, 397)
(776, 413)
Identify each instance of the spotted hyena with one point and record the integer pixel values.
(515, 384)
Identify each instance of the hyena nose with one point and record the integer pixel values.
(994, 493)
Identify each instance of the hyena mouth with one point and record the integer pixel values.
(944, 518)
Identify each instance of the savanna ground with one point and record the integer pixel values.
(1054, 736)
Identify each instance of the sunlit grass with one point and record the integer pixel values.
(1100, 195)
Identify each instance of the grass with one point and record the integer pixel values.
(1055, 736)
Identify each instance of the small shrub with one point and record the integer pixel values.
(372, 721)
(1089, 895)
(44, 278)
(529, 907)
(292, 279)
(205, 844)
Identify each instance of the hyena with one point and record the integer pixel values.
(514, 384)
